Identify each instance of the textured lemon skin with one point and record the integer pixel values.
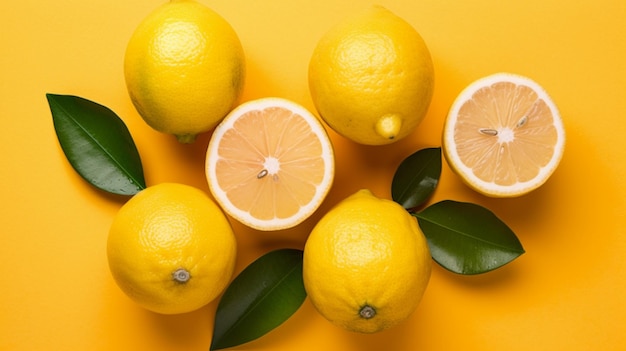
(369, 67)
(366, 251)
(184, 68)
(165, 228)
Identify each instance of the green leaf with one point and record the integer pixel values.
(416, 178)
(260, 298)
(467, 238)
(97, 144)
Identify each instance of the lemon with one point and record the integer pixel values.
(184, 68)
(504, 135)
(366, 264)
(171, 249)
(371, 77)
(270, 164)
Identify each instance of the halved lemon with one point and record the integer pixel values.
(270, 163)
(504, 136)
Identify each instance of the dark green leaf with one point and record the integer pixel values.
(416, 178)
(260, 298)
(467, 238)
(97, 144)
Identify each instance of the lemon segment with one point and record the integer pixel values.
(503, 135)
(270, 164)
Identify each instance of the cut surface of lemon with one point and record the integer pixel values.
(270, 163)
(504, 136)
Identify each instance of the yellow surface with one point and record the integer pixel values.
(184, 45)
(566, 293)
(366, 265)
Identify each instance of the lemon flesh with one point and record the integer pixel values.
(503, 135)
(270, 164)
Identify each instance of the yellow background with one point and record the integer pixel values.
(566, 293)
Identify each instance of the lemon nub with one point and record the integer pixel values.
(181, 276)
(388, 126)
(367, 312)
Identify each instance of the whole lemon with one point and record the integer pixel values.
(184, 68)
(371, 77)
(171, 249)
(366, 264)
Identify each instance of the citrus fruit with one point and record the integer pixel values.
(184, 68)
(371, 77)
(270, 163)
(171, 249)
(503, 135)
(366, 264)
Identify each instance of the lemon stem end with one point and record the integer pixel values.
(181, 276)
(367, 312)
